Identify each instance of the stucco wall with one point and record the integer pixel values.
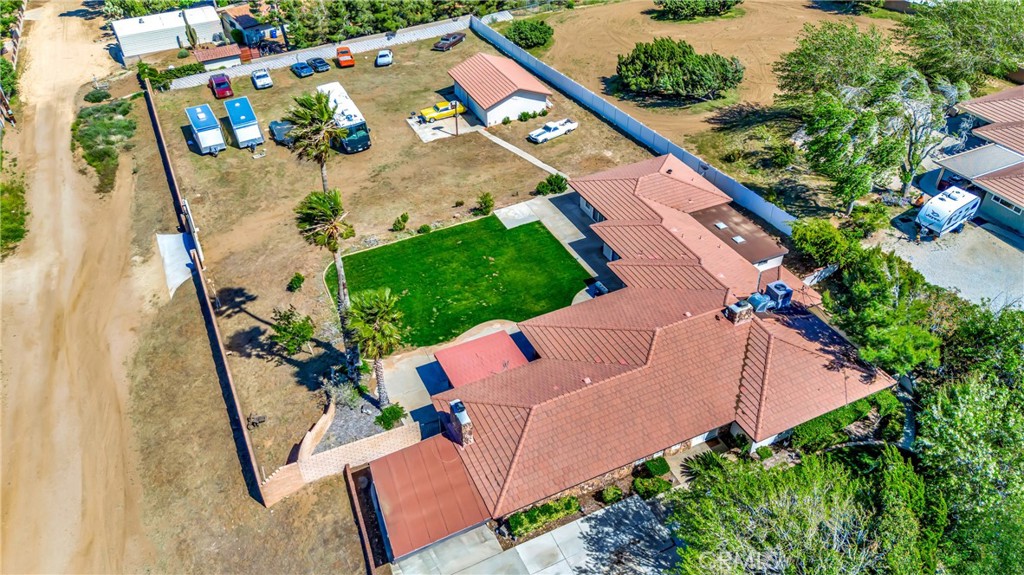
(514, 105)
(994, 212)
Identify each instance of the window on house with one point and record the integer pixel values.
(1006, 204)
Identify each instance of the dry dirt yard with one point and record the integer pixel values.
(588, 41)
(243, 207)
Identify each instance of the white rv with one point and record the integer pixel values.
(947, 211)
(347, 116)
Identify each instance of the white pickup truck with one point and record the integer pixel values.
(552, 130)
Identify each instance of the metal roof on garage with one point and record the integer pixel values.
(480, 358)
(425, 495)
(980, 161)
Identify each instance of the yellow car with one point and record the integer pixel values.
(441, 110)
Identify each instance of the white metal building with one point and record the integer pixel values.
(166, 30)
(495, 88)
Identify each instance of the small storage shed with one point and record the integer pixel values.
(219, 57)
(166, 31)
(495, 88)
(205, 129)
(244, 125)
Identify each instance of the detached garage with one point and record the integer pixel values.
(494, 88)
(166, 31)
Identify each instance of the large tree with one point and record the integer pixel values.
(966, 39)
(315, 130)
(667, 68)
(377, 327)
(321, 221)
(986, 342)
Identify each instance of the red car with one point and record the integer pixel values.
(220, 84)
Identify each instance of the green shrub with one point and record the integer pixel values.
(867, 219)
(543, 112)
(707, 461)
(8, 78)
(460, 203)
(399, 223)
(783, 154)
(826, 430)
(764, 452)
(524, 116)
(13, 213)
(424, 229)
(101, 131)
(533, 519)
(390, 415)
(183, 53)
(161, 80)
(553, 184)
(291, 330)
(485, 203)
(733, 155)
(887, 403)
(667, 68)
(690, 9)
(892, 428)
(97, 96)
(822, 242)
(657, 466)
(648, 487)
(295, 284)
(529, 33)
(570, 4)
(506, 121)
(611, 494)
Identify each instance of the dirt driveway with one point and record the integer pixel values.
(588, 41)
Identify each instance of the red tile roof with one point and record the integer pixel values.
(1009, 134)
(425, 494)
(1004, 106)
(479, 358)
(210, 54)
(490, 79)
(1007, 183)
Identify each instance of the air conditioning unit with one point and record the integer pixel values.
(780, 293)
(760, 302)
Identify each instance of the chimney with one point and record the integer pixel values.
(740, 312)
(461, 424)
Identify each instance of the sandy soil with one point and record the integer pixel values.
(71, 304)
(588, 41)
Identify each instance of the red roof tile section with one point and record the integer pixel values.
(210, 54)
(1008, 183)
(1004, 106)
(490, 79)
(1009, 134)
(479, 358)
(656, 363)
(425, 494)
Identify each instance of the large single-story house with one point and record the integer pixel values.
(495, 88)
(993, 170)
(166, 31)
(656, 367)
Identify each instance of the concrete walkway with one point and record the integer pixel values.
(521, 153)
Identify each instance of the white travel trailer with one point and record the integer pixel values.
(947, 211)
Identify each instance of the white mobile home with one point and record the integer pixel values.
(166, 31)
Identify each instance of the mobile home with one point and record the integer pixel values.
(166, 31)
(347, 116)
(947, 211)
(205, 129)
(244, 125)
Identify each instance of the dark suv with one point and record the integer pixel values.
(449, 41)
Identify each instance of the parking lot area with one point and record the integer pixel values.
(244, 207)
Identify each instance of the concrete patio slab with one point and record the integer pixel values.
(507, 563)
(516, 215)
(568, 539)
(452, 555)
(560, 568)
(540, 553)
(444, 128)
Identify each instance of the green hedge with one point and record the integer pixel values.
(657, 466)
(611, 494)
(161, 80)
(529, 33)
(648, 487)
(826, 430)
(533, 519)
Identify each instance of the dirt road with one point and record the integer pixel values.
(70, 307)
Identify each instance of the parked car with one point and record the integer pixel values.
(440, 111)
(552, 130)
(449, 41)
(301, 69)
(261, 79)
(384, 58)
(345, 57)
(318, 65)
(280, 132)
(220, 84)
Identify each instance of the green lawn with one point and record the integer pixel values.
(455, 278)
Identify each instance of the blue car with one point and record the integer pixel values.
(302, 70)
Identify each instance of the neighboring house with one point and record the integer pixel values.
(650, 369)
(495, 88)
(219, 57)
(166, 31)
(250, 31)
(994, 170)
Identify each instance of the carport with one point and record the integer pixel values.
(424, 494)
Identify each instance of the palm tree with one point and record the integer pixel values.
(321, 221)
(315, 130)
(377, 328)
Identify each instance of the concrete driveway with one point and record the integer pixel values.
(445, 128)
(624, 538)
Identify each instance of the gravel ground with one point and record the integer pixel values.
(350, 425)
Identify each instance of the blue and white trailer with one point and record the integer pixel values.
(947, 211)
(244, 125)
(205, 129)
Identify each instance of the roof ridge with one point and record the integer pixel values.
(512, 463)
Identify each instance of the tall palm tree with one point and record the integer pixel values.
(377, 328)
(321, 221)
(315, 130)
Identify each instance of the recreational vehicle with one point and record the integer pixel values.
(243, 123)
(947, 211)
(205, 129)
(347, 116)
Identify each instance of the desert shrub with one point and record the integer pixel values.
(733, 155)
(667, 68)
(506, 121)
(400, 221)
(529, 33)
(295, 284)
(690, 9)
(826, 430)
(14, 210)
(101, 131)
(524, 116)
(97, 96)
(390, 415)
(485, 203)
(460, 203)
(648, 487)
(553, 184)
(182, 54)
(867, 219)
(291, 329)
(783, 154)
(611, 494)
(424, 229)
(533, 519)
(764, 452)
(533, 114)
(657, 466)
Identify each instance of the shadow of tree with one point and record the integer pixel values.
(746, 115)
(90, 10)
(626, 538)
